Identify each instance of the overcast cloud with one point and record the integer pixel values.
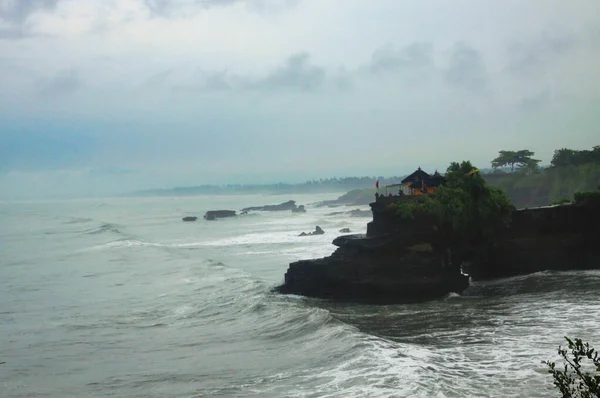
(107, 96)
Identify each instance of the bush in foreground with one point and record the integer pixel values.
(580, 376)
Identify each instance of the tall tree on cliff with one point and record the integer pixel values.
(522, 158)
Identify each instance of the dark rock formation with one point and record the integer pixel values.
(393, 265)
(189, 218)
(299, 209)
(564, 237)
(317, 231)
(351, 213)
(215, 214)
(360, 213)
(285, 206)
(409, 259)
(374, 269)
(345, 230)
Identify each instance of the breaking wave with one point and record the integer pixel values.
(104, 228)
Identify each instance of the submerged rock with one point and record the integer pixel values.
(299, 209)
(215, 214)
(360, 213)
(285, 206)
(189, 218)
(352, 213)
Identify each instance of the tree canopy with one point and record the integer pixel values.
(572, 157)
(522, 159)
(466, 208)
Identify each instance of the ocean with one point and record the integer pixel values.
(119, 297)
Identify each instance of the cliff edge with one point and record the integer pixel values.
(403, 260)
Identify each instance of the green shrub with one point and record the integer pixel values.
(591, 198)
(580, 376)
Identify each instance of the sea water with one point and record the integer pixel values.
(119, 297)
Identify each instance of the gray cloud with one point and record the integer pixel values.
(217, 81)
(391, 60)
(170, 7)
(158, 80)
(63, 83)
(13, 33)
(194, 92)
(466, 69)
(535, 102)
(343, 80)
(527, 58)
(17, 11)
(297, 73)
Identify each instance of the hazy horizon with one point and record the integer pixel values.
(108, 97)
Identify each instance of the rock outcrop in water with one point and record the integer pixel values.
(300, 209)
(359, 213)
(285, 206)
(390, 266)
(215, 214)
(318, 231)
(374, 269)
(351, 213)
(403, 260)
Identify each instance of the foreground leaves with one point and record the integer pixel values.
(580, 376)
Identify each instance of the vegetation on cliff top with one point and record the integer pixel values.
(591, 198)
(466, 209)
(570, 171)
(523, 159)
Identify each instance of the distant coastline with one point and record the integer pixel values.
(328, 185)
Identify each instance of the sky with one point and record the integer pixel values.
(109, 96)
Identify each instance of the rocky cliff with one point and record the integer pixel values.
(404, 260)
(386, 265)
(375, 269)
(564, 237)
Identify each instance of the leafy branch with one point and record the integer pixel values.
(580, 376)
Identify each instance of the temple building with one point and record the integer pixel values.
(416, 184)
(419, 183)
